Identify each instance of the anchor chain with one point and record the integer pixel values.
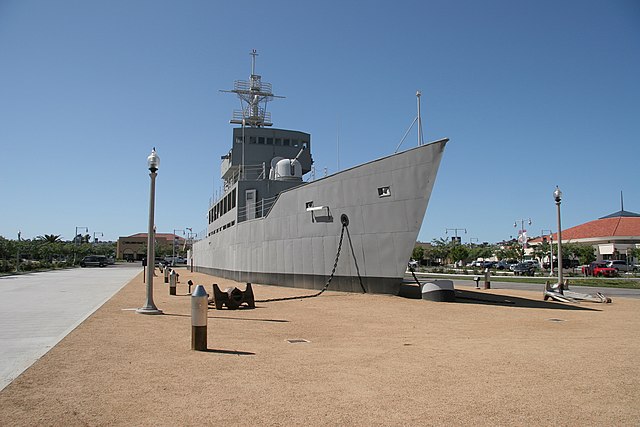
(345, 224)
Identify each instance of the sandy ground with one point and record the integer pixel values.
(369, 360)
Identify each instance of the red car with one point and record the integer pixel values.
(599, 268)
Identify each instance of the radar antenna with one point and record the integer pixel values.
(254, 96)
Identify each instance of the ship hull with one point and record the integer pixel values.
(296, 244)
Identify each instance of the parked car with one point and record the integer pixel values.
(505, 265)
(620, 265)
(566, 263)
(94, 261)
(169, 260)
(599, 268)
(534, 263)
(523, 269)
(413, 264)
(482, 264)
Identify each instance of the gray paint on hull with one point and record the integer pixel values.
(289, 247)
(376, 285)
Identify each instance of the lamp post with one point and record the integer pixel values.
(522, 233)
(190, 235)
(18, 252)
(95, 233)
(75, 241)
(149, 307)
(455, 230)
(551, 249)
(173, 259)
(557, 196)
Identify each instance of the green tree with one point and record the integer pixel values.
(459, 253)
(439, 250)
(542, 250)
(584, 253)
(5, 248)
(418, 253)
(483, 251)
(512, 250)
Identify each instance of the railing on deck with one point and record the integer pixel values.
(262, 209)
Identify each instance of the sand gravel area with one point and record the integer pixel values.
(494, 357)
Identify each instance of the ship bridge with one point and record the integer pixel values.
(259, 147)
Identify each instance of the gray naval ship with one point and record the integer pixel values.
(271, 225)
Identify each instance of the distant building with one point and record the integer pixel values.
(613, 236)
(134, 247)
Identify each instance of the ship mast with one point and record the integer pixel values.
(254, 96)
(420, 140)
(418, 119)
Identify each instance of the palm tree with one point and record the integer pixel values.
(49, 238)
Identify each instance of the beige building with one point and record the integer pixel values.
(134, 247)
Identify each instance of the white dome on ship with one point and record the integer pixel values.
(288, 170)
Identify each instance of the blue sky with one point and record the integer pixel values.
(531, 94)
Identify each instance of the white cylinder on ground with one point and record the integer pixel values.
(439, 290)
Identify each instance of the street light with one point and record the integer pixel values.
(75, 241)
(557, 196)
(149, 307)
(18, 252)
(173, 259)
(95, 233)
(551, 249)
(455, 230)
(522, 233)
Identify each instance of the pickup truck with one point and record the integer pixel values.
(599, 268)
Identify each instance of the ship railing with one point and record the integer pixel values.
(245, 86)
(259, 210)
(247, 115)
(196, 237)
(251, 173)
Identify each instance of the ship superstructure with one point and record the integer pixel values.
(262, 161)
(271, 227)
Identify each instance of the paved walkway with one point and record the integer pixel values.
(37, 310)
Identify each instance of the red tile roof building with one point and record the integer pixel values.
(612, 235)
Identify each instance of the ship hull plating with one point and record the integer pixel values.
(295, 245)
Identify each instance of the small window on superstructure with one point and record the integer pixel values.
(252, 140)
(269, 141)
(278, 141)
(286, 142)
(238, 140)
(261, 140)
